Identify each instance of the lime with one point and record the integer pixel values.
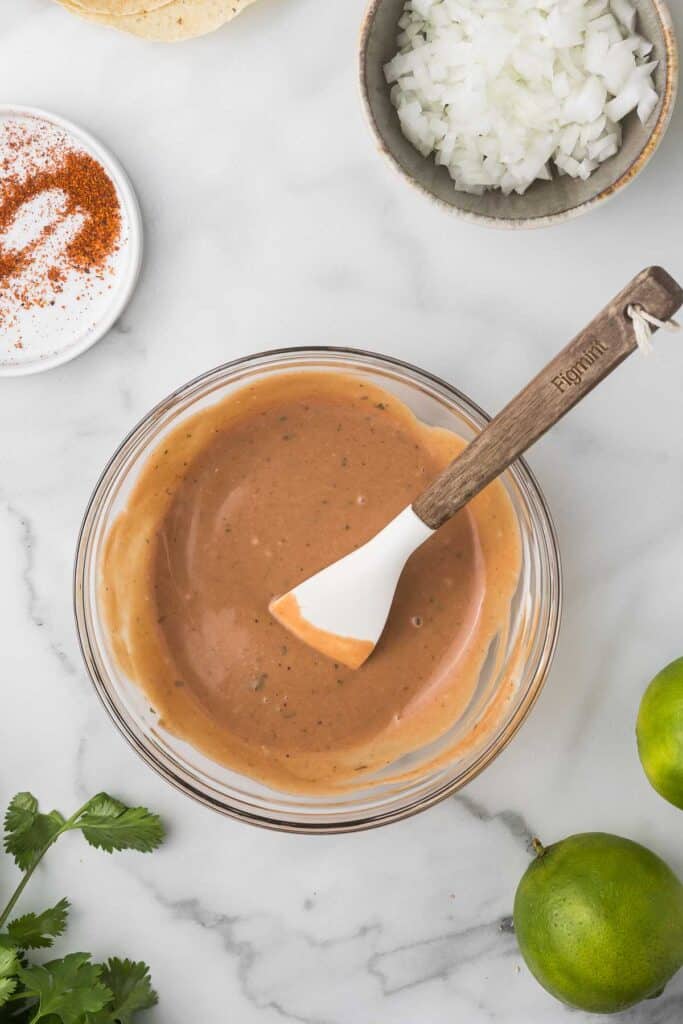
(599, 921)
(660, 732)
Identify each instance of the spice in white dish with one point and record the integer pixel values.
(502, 91)
(64, 241)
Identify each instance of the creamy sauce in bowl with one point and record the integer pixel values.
(254, 494)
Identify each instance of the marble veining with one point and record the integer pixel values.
(271, 221)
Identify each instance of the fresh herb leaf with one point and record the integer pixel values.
(8, 963)
(38, 931)
(132, 989)
(27, 831)
(8, 968)
(7, 988)
(72, 990)
(109, 825)
(21, 812)
(67, 988)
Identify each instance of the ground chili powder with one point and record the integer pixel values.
(29, 277)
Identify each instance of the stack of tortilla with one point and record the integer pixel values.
(167, 21)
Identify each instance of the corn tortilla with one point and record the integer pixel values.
(118, 8)
(175, 21)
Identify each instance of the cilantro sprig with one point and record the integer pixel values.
(72, 989)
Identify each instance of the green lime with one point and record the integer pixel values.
(660, 732)
(599, 921)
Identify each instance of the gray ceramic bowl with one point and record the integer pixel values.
(546, 201)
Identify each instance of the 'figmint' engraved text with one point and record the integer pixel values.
(574, 375)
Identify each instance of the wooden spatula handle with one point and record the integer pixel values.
(587, 360)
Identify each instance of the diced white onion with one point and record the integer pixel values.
(646, 106)
(625, 13)
(502, 90)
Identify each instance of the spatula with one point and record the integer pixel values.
(342, 610)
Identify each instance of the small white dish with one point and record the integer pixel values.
(56, 337)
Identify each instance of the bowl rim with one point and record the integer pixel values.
(652, 143)
(370, 820)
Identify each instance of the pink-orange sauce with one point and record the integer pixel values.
(243, 501)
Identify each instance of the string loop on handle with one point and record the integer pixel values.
(643, 322)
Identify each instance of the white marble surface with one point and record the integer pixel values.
(270, 221)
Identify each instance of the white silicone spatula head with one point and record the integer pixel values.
(342, 610)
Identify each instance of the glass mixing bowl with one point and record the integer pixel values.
(525, 645)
